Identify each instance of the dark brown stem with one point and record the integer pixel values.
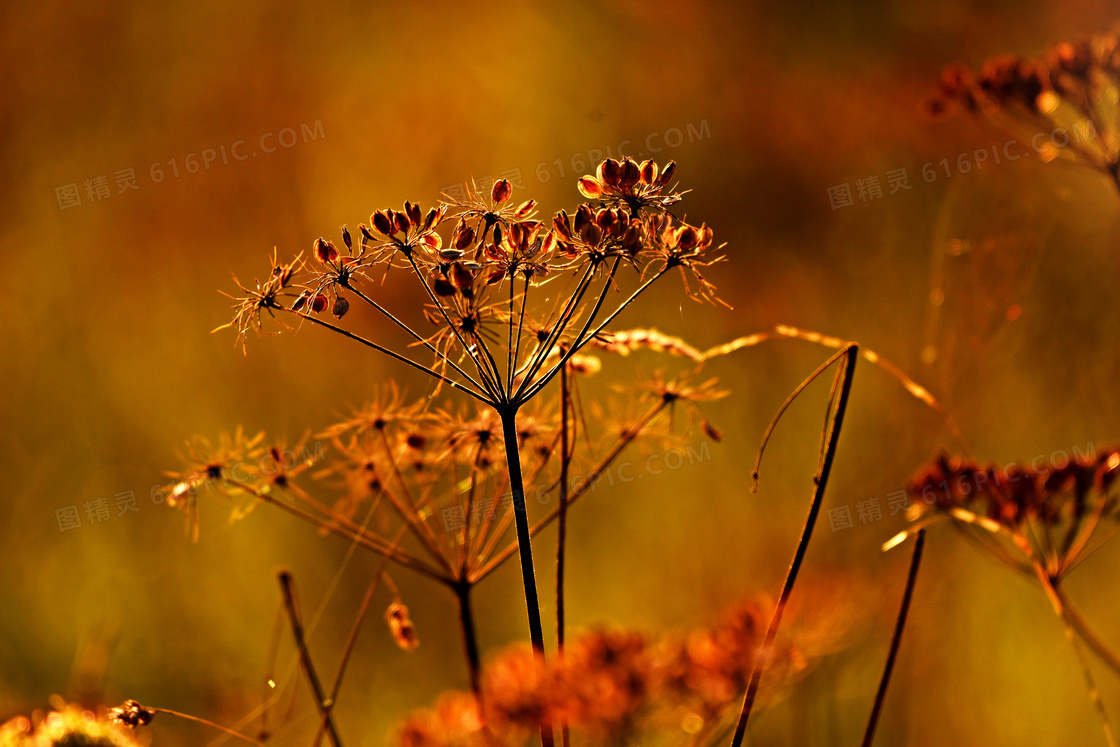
(321, 703)
(525, 549)
(821, 482)
(470, 638)
(896, 639)
(562, 533)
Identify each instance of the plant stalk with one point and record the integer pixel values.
(821, 481)
(525, 548)
(896, 639)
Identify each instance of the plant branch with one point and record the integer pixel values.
(821, 482)
(896, 639)
(321, 702)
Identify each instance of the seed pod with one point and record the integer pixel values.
(430, 219)
(632, 240)
(416, 441)
(301, 301)
(590, 187)
(382, 223)
(401, 627)
(609, 172)
(649, 172)
(464, 237)
(401, 221)
(563, 224)
(591, 234)
(630, 174)
(346, 238)
(686, 237)
(584, 215)
(501, 192)
(413, 213)
(605, 218)
(525, 209)
(667, 173)
(450, 255)
(341, 306)
(325, 251)
(319, 303)
(366, 235)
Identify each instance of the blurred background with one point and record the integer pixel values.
(148, 150)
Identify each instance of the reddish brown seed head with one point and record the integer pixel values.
(325, 251)
(501, 191)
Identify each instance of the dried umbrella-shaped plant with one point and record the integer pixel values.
(500, 338)
(1040, 521)
(1074, 86)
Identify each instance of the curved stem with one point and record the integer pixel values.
(525, 549)
(205, 722)
(896, 639)
(1086, 632)
(821, 480)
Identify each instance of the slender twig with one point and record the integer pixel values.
(351, 640)
(205, 722)
(1092, 639)
(821, 482)
(321, 702)
(442, 356)
(397, 356)
(896, 639)
(525, 549)
(562, 533)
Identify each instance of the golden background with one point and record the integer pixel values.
(107, 364)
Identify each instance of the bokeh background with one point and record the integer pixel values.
(108, 364)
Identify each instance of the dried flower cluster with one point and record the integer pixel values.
(614, 686)
(1049, 514)
(1071, 85)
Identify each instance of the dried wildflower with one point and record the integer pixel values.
(1071, 84)
(1048, 514)
(265, 297)
(131, 714)
(636, 187)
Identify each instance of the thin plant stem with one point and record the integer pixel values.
(1085, 631)
(896, 639)
(562, 532)
(321, 702)
(397, 356)
(584, 486)
(821, 482)
(352, 640)
(580, 340)
(537, 359)
(525, 549)
(491, 384)
(443, 356)
(206, 722)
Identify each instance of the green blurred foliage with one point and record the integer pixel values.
(108, 366)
